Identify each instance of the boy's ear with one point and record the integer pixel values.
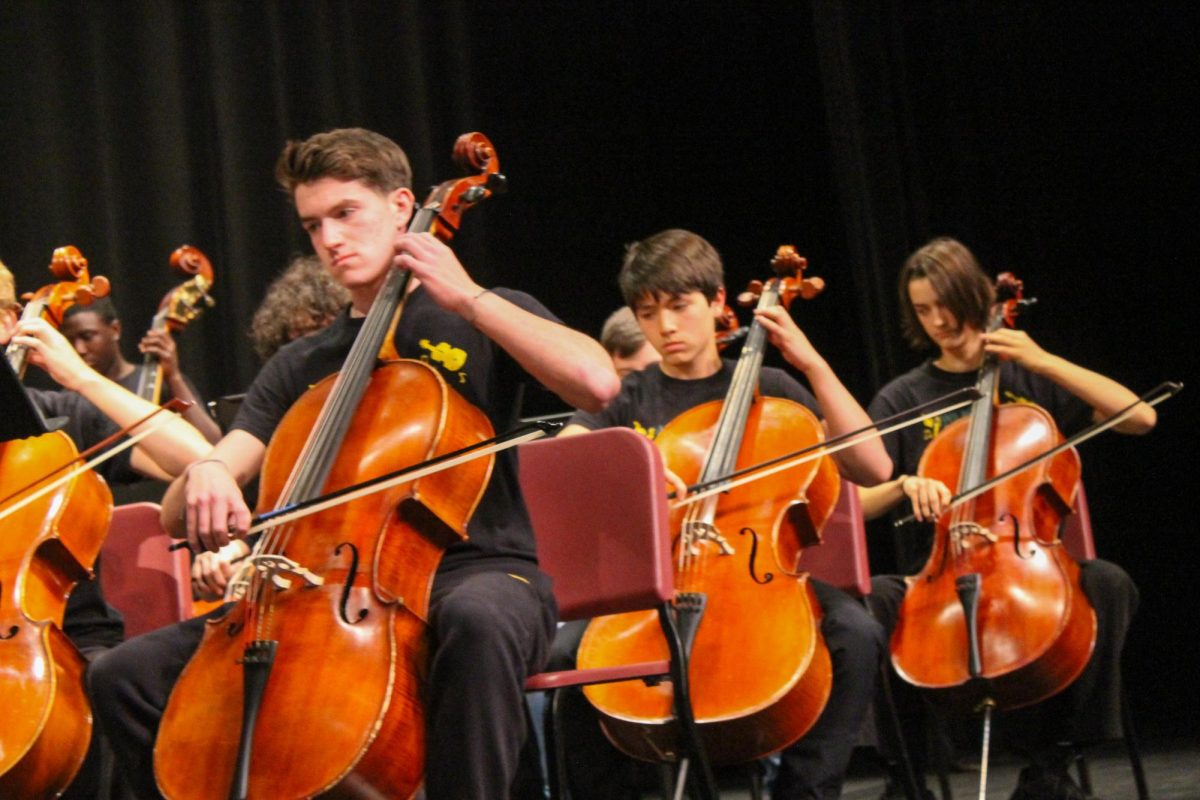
(717, 304)
(403, 202)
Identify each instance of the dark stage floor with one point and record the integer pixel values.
(1172, 772)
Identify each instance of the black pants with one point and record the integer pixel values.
(488, 631)
(1089, 709)
(813, 767)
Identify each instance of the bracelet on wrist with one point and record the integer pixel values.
(471, 306)
(188, 469)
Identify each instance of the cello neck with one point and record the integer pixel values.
(149, 385)
(348, 388)
(18, 355)
(731, 425)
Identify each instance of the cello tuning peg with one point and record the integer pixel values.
(497, 183)
(752, 293)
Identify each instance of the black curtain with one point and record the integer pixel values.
(1054, 139)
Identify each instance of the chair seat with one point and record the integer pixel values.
(584, 677)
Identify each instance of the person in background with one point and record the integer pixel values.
(302, 300)
(626, 344)
(95, 332)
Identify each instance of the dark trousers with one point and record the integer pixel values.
(813, 767)
(488, 630)
(1089, 709)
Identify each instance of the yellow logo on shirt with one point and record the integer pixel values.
(934, 425)
(450, 357)
(649, 433)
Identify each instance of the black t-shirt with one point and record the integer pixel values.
(499, 532)
(88, 620)
(650, 399)
(928, 382)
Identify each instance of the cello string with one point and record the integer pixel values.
(1168, 389)
(812, 455)
(968, 393)
(71, 474)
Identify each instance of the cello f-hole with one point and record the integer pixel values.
(767, 576)
(349, 584)
(13, 631)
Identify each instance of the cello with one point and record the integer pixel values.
(179, 306)
(760, 673)
(45, 548)
(311, 682)
(997, 616)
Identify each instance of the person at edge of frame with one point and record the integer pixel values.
(945, 298)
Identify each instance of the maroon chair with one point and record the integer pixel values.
(841, 558)
(149, 584)
(598, 506)
(1076, 535)
(1076, 531)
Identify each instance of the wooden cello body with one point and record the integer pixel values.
(760, 673)
(1026, 629)
(46, 546)
(342, 709)
(312, 682)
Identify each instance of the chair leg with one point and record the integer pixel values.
(689, 607)
(907, 775)
(556, 755)
(1132, 746)
(1085, 776)
(756, 780)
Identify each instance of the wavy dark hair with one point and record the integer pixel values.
(961, 284)
(302, 300)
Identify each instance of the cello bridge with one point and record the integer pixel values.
(962, 530)
(273, 567)
(696, 532)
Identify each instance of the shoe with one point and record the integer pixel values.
(1040, 783)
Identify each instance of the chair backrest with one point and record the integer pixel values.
(1077, 530)
(841, 558)
(600, 514)
(149, 584)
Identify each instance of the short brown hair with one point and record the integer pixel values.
(621, 335)
(671, 262)
(349, 154)
(961, 284)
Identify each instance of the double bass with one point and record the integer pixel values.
(179, 306)
(46, 546)
(760, 673)
(997, 615)
(312, 682)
